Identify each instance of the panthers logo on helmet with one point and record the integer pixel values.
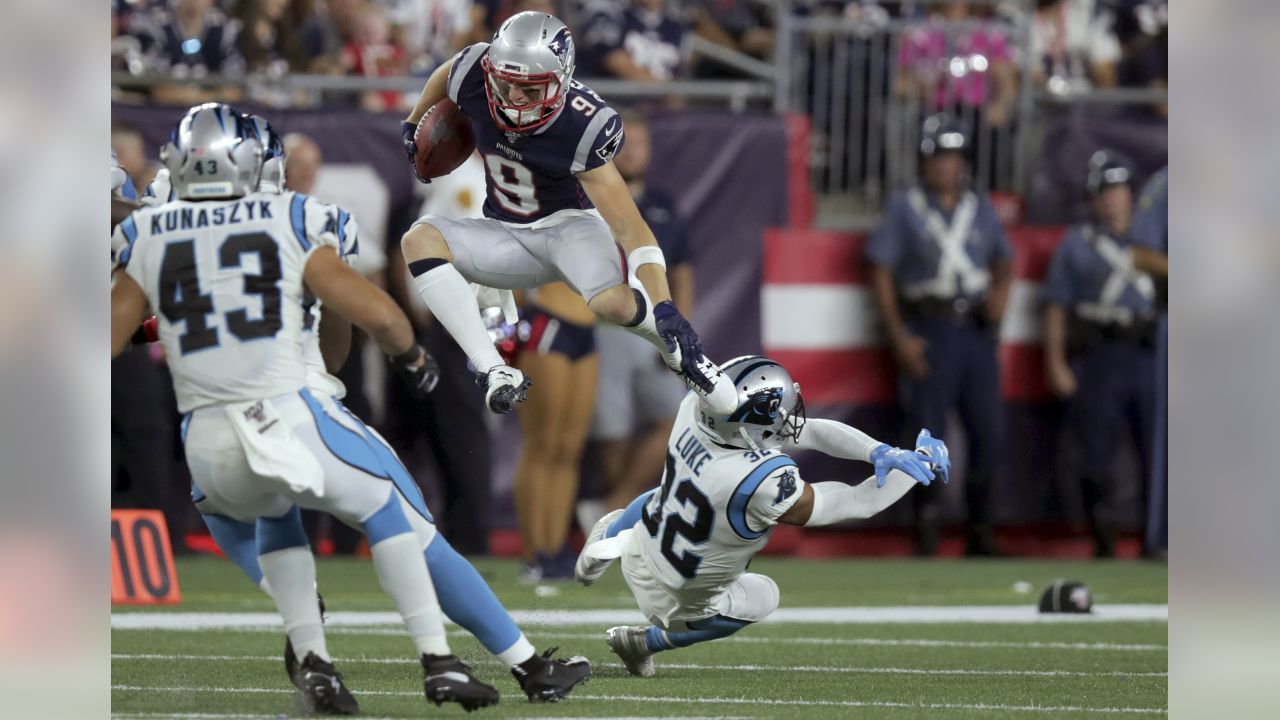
(761, 407)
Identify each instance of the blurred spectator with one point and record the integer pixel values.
(1151, 255)
(131, 154)
(431, 31)
(1100, 336)
(742, 25)
(638, 395)
(1142, 28)
(190, 40)
(487, 15)
(370, 52)
(959, 62)
(940, 273)
(630, 40)
(1072, 46)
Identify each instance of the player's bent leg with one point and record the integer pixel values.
(596, 557)
(237, 540)
(629, 306)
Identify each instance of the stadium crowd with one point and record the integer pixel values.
(953, 55)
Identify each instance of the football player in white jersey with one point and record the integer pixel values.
(229, 270)
(464, 596)
(729, 480)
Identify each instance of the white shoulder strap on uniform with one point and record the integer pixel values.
(1123, 274)
(955, 263)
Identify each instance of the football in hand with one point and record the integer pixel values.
(443, 140)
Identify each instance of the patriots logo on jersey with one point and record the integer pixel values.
(761, 407)
(786, 486)
(610, 146)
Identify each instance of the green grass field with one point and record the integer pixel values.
(814, 665)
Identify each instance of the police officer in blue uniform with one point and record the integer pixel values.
(940, 271)
(1100, 336)
(1151, 255)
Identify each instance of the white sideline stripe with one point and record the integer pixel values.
(692, 666)
(259, 716)
(544, 618)
(857, 642)
(819, 317)
(723, 701)
(839, 317)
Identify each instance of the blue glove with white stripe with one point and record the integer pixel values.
(936, 450)
(887, 458)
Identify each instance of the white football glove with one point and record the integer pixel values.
(488, 297)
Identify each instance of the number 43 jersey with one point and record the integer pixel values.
(532, 175)
(225, 280)
(715, 510)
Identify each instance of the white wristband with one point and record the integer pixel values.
(646, 255)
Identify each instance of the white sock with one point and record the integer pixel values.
(451, 300)
(519, 652)
(292, 574)
(647, 328)
(404, 577)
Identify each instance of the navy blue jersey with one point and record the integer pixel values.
(654, 40)
(659, 213)
(530, 176)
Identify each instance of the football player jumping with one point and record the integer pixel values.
(685, 545)
(553, 200)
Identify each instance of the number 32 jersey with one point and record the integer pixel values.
(715, 510)
(532, 175)
(225, 280)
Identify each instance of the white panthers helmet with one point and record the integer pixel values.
(273, 156)
(770, 408)
(213, 154)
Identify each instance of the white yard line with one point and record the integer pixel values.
(1058, 709)
(688, 666)
(1002, 614)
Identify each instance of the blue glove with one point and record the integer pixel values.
(936, 450)
(676, 331)
(407, 131)
(887, 458)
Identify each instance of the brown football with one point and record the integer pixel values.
(444, 140)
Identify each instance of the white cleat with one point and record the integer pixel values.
(723, 398)
(504, 386)
(627, 642)
(589, 569)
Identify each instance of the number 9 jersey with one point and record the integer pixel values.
(529, 176)
(225, 279)
(715, 510)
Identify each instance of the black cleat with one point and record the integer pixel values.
(445, 678)
(322, 689)
(504, 387)
(549, 680)
(291, 657)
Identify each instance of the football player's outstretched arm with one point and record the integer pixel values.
(347, 293)
(835, 439)
(128, 309)
(829, 503)
(611, 196)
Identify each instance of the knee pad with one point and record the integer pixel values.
(753, 597)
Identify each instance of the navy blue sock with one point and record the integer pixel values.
(712, 628)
